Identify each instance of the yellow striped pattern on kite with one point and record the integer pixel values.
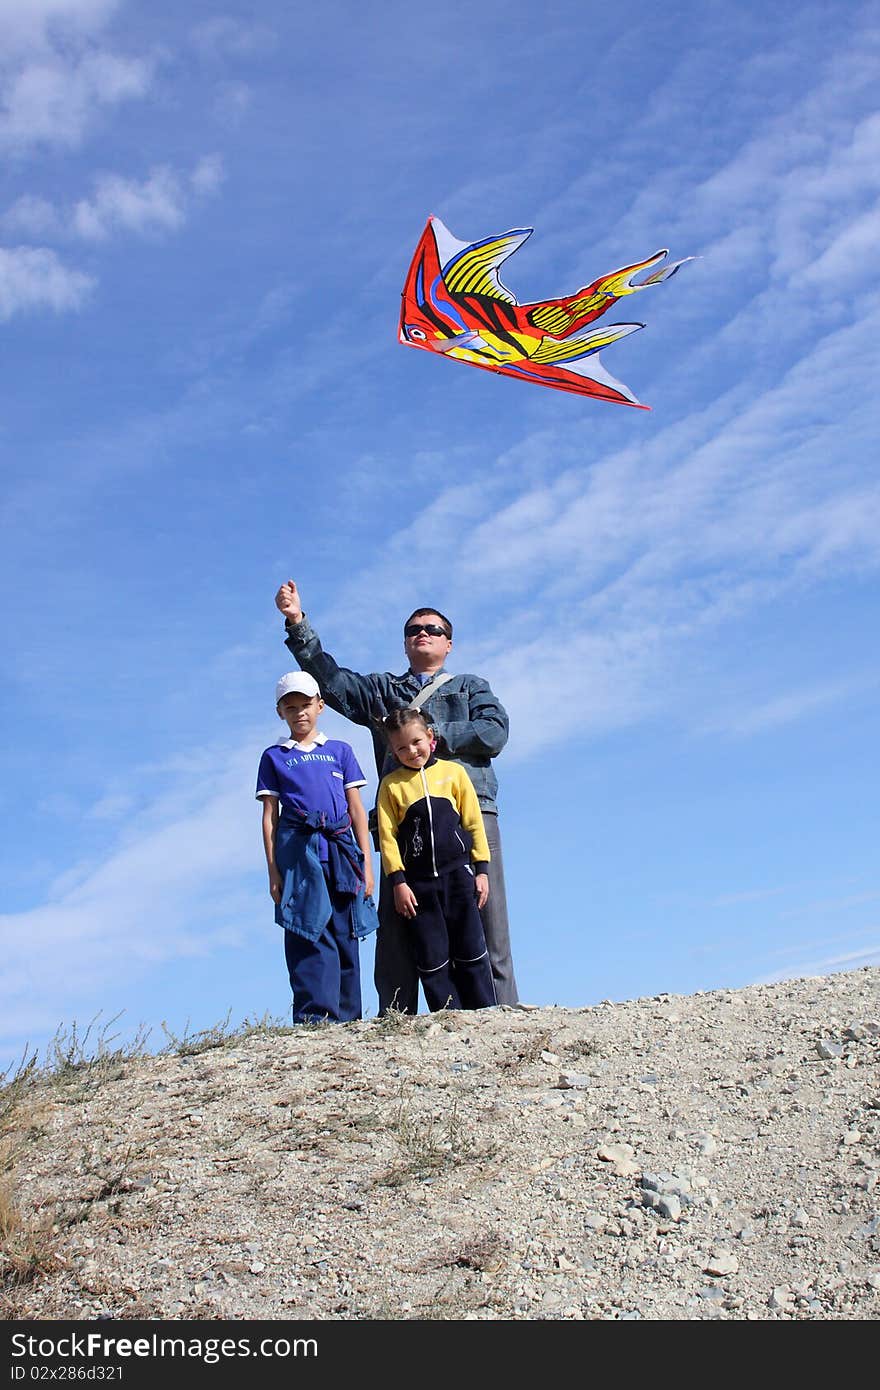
(476, 271)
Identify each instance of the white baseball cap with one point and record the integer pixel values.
(296, 683)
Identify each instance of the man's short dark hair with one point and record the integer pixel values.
(423, 612)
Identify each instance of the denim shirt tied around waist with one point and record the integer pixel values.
(305, 906)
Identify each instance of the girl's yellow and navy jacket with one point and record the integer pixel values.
(429, 822)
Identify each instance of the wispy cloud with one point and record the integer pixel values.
(181, 877)
(784, 709)
(54, 74)
(827, 965)
(159, 203)
(167, 889)
(40, 24)
(34, 278)
(33, 216)
(223, 36)
(617, 569)
(752, 895)
(585, 580)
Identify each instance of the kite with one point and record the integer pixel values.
(454, 303)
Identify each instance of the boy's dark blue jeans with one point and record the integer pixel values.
(325, 973)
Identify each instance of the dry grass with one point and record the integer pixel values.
(428, 1142)
(27, 1247)
(525, 1051)
(222, 1034)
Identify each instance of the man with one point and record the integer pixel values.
(471, 728)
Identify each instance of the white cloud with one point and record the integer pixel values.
(208, 175)
(783, 709)
(156, 204)
(31, 25)
(33, 216)
(34, 278)
(159, 203)
(827, 965)
(845, 260)
(168, 889)
(617, 572)
(231, 101)
(53, 103)
(184, 877)
(112, 807)
(224, 36)
(54, 77)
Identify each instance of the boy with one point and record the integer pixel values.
(430, 833)
(320, 874)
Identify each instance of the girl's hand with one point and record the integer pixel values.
(481, 888)
(405, 900)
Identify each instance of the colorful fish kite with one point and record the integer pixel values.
(454, 303)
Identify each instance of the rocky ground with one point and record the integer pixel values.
(708, 1156)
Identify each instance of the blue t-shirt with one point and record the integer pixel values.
(310, 777)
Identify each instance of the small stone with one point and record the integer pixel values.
(549, 1057)
(873, 1281)
(721, 1264)
(799, 1218)
(614, 1153)
(544, 1162)
(668, 1183)
(828, 1050)
(781, 1297)
(574, 1081)
(666, 1204)
(706, 1144)
(620, 1158)
(852, 1136)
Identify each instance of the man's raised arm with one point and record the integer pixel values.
(346, 692)
(484, 734)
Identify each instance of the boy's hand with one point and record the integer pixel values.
(369, 882)
(276, 886)
(405, 900)
(288, 601)
(481, 888)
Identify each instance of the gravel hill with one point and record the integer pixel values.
(680, 1157)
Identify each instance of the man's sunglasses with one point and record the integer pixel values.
(432, 629)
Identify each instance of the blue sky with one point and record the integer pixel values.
(206, 217)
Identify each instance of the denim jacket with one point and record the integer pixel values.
(469, 720)
(305, 906)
